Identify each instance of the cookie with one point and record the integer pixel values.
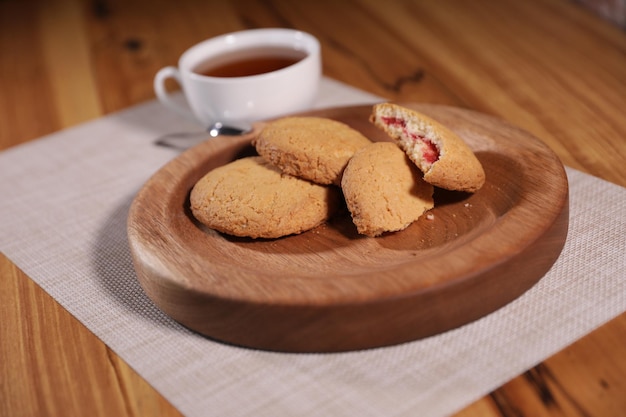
(313, 148)
(251, 198)
(444, 158)
(384, 191)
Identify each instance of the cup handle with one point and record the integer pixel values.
(164, 97)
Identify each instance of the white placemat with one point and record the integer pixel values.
(63, 206)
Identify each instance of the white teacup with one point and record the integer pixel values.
(238, 78)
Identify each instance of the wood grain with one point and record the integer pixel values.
(67, 62)
(548, 66)
(330, 289)
(51, 365)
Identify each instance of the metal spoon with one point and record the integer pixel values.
(219, 129)
(185, 140)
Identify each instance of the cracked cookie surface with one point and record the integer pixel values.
(251, 198)
(313, 148)
(384, 190)
(444, 158)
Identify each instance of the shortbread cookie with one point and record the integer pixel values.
(251, 198)
(313, 148)
(444, 158)
(384, 190)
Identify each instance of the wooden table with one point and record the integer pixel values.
(549, 66)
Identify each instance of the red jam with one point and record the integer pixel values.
(394, 121)
(430, 153)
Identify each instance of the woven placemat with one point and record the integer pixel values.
(63, 209)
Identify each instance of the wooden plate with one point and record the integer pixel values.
(330, 289)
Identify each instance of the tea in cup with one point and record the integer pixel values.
(242, 77)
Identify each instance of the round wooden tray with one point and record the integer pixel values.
(330, 289)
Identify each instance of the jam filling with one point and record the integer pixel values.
(394, 121)
(430, 152)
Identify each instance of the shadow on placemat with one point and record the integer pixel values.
(116, 274)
